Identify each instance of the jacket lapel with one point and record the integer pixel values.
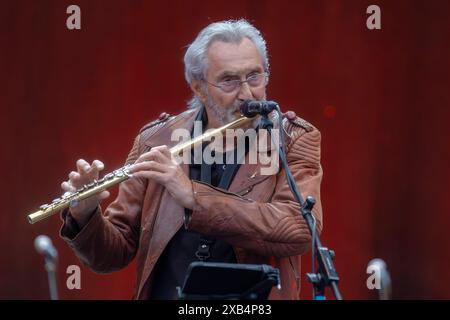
(169, 216)
(250, 174)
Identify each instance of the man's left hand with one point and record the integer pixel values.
(157, 164)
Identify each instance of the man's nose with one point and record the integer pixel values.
(244, 92)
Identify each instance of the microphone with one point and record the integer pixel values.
(44, 245)
(251, 108)
(380, 267)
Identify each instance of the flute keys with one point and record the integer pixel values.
(119, 174)
(109, 176)
(66, 194)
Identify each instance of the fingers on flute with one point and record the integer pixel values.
(153, 175)
(89, 172)
(82, 166)
(148, 166)
(74, 177)
(96, 167)
(103, 195)
(67, 187)
(164, 150)
(156, 153)
(72, 183)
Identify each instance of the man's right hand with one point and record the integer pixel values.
(85, 174)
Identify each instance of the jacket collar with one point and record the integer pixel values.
(247, 175)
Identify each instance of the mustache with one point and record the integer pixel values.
(236, 106)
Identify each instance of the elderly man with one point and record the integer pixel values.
(169, 215)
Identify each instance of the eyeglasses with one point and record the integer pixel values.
(255, 80)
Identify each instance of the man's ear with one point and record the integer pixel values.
(199, 89)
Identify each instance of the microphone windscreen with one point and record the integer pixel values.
(44, 245)
(380, 267)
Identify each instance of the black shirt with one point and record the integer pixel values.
(171, 267)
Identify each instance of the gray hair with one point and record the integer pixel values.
(195, 61)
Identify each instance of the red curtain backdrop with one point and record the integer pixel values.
(380, 99)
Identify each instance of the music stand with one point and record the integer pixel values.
(228, 281)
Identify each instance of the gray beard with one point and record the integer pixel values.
(223, 114)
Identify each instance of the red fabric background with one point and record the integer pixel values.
(380, 99)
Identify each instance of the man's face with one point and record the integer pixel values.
(231, 61)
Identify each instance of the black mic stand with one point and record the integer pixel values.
(326, 275)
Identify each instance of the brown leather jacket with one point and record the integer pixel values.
(257, 215)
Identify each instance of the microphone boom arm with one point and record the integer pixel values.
(326, 274)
